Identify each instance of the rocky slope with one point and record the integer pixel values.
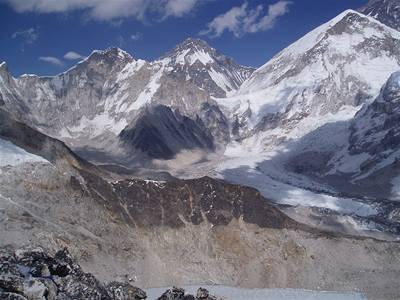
(35, 275)
(385, 11)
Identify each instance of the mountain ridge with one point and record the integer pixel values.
(115, 88)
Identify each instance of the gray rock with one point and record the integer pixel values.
(173, 294)
(124, 291)
(22, 277)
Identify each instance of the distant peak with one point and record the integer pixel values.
(193, 44)
(3, 65)
(194, 41)
(111, 52)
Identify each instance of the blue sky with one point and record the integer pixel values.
(36, 34)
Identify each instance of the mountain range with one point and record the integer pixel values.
(181, 169)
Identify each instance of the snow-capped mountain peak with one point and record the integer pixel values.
(111, 53)
(196, 62)
(192, 51)
(344, 62)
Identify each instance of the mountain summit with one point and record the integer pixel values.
(341, 63)
(197, 62)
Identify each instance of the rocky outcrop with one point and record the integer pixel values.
(36, 275)
(124, 291)
(179, 294)
(33, 274)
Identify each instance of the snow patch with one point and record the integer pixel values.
(180, 59)
(220, 80)
(201, 56)
(12, 155)
(146, 96)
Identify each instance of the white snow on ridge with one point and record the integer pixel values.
(233, 293)
(12, 155)
(220, 80)
(180, 59)
(146, 96)
(201, 56)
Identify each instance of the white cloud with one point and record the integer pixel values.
(136, 36)
(51, 60)
(244, 19)
(107, 10)
(178, 8)
(72, 55)
(28, 36)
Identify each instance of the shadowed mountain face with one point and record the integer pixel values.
(385, 11)
(161, 132)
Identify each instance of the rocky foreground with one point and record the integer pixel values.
(36, 275)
